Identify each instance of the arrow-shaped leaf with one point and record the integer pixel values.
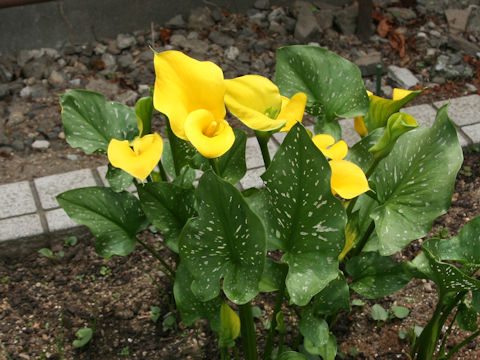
(226, 240)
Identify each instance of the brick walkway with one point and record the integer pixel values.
(31, 217)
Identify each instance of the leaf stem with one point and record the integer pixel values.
(262, 138)
(163, 173)
(171, 273)
(361, 244)
(267, 354)
(247, 329)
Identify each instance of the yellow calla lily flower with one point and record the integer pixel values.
(191, 94)
(211, 138)
(348, 179)
(358, 121)
(257, 102)
(292, 110)
(139, 161)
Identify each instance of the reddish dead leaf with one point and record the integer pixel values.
(98, 64)
(384, 27)
(397, 41)
(165, 35)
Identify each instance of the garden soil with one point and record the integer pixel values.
(43, 302)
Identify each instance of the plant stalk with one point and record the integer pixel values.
(247, 329)
(262, 138)
(170, 273)
(267, 354)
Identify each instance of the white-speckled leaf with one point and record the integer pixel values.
(333, 85)
(226, 240)
(118, 179)
(376, 276)
(90, 122)
(414, 183)
(113, 218)
(335, 297)
(168, 207)
(303, 218)
(314, 330)
(190, 307)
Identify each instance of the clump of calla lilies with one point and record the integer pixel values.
(324, 223)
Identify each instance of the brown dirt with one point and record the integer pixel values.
(43, 303)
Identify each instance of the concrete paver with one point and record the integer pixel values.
(464, 110)
(20, 227)
(49, 187)
(20, 217)
(16, 199)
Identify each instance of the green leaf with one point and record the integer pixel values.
(190, 307)
(185, 178)
(463, 248)
(376, 276)
(155, 313)
(381, 109)
(168, 207)
(329, 350)
(359, 154)
(476, 300)
(272, 276)
(232, 165)
(226, 240)
(47, 253)
(328, 126)
(90, 122)
(358, 302)
(415, 183)
(83, 337)
(467, 318)
(400, 312)
(229, 326)
(291, 355)
(113, 218)
(181, 151)
(334, 297)
(144, 113)
(314, 330)
(379, 313)
(302, 216)
(118, 179)
(333, 85)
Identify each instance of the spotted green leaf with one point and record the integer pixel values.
(303, 218)
(414, 183)
(226, 240)
(118, 179)
(113, 218)
(273, 276)
(381, 109)
(314, 330)
(334, 297)
(232, 166)
(333, 85)
(168, 207)
(375, 276)
(467, 318)
(190, 307)
(90, 122)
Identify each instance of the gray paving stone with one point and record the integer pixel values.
(464, 141)
(253, 155)
(58, 220)
(463, 111)
(424, 114)
(16, 199)
(20, 227)
(49, 187)
(473, 132)
(349, 135)
(252, 178)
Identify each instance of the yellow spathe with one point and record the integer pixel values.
(348, 179)
(184, 85)
(210, 137)
(139, 161)
(292, 110)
